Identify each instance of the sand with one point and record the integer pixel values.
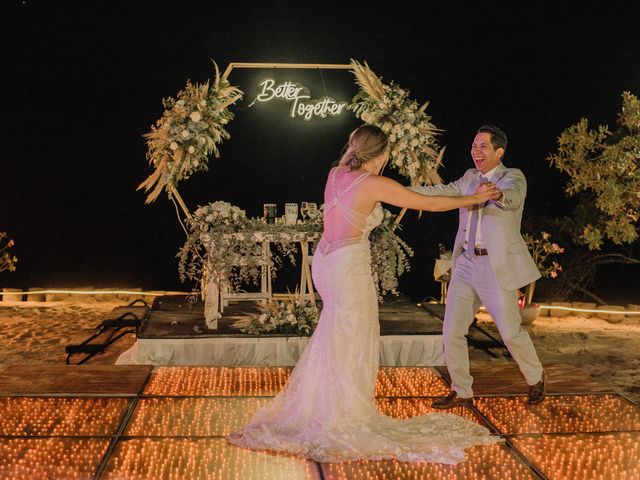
(36, 333)
(610, 353)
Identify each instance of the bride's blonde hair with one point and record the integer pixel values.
(365, 143)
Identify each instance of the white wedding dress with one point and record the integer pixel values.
(326, 411)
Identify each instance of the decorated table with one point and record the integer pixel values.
(287, 238)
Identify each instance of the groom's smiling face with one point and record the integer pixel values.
(484, 155)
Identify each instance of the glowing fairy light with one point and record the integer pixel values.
(192, 416)
(211, 458)
(562, 413)
(101, 292)
(220, 381)
(489, 461)
(31, 458)
(579, 455)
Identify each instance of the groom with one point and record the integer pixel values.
(490, 262)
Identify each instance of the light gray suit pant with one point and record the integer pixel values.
(474, 283)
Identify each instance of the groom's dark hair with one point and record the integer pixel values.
(498, 137)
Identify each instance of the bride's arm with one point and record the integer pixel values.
(389, 191)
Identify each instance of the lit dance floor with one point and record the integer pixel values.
(170, 422)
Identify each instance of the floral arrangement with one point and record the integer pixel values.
(389, 256)
(7, 261)
(541, 248)
(414, 150)
(543, 252)
(220, 215)
(189, 130)
(290, 317)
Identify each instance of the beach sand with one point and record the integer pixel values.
(36, 333)
(609, 352)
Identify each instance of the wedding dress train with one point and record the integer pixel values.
(327, 411)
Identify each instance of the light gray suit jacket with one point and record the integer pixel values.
(508, 254)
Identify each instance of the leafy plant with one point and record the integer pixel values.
(604, 172)
(7, 261)
(603, 167)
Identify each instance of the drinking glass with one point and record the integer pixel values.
(269, 212)
(312, 208)
(304, 210)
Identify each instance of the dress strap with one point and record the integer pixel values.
(333, 181)
(354, 183)
(352, 216)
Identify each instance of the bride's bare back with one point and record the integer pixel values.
(346, 204)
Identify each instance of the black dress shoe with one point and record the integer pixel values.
(452, 400)
(538, 391)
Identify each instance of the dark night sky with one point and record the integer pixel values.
(82, 81)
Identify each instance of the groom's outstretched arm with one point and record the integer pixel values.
(450, 189)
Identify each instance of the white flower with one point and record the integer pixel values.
(414, 143)
(173, 146)
(184, 133)
(180, 102)
(201, 140)
(392, 138)
(203, 103)
(191, 149)
(195, 117)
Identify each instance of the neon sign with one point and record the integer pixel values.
(302, 105)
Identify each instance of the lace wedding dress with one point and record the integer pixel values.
(326, 411)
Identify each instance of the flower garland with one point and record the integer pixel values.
(189, 130)
(414, 150)
(389, 256)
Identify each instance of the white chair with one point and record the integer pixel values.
(264, 295)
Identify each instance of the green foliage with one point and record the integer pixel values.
(389, 256)
(604, 173)
(7, 261)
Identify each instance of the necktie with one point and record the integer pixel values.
(473, 225)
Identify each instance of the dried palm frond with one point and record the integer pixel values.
(367, 80)
(154, 179)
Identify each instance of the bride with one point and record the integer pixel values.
(326, 411)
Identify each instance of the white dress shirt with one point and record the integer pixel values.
(479, 241)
